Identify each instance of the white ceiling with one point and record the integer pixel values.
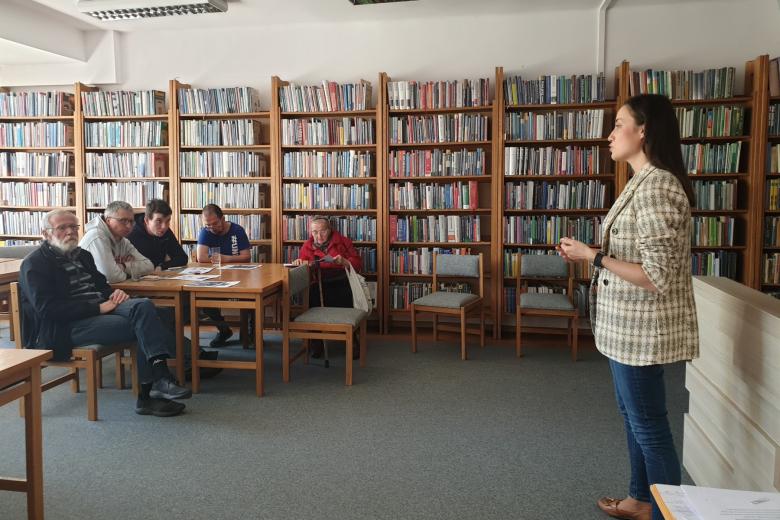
(12, 53)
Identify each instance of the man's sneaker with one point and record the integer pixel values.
(168, 388)
(223, 335)
(158, 407)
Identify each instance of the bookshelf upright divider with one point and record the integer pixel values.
(327, 164)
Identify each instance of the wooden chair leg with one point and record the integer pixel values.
(575, 336)
(414, 330)
(244, 329)
(134, 370)
(363, 344)
(518, 335)
(306, 351)
(435, 327)
(99, 373)
(463, 353)
(349, 362)
(93, 365)
(75, 385)
(119, 374)
(481, 328)
(195, 342)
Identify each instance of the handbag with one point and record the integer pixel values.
(361, 296)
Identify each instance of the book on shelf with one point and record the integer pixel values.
(435, 228)
(327, 131)
(456, 195)
(126, 164)
(774, 77)
(718, 121)
(37, 194)
(137, 194)
(230, 100)
(328, 196)
(36, 164)
(714, 263)
(356, 228)
(205, 164)
(774, 119)
(21, 223)
(428, 95)
(556, 124)
(402, 294)
(555, 89)
(555, 195)
(549, 229)
(715, 195)
(38, 134)
(770, 268)
(36, 104)
(772, 232)
(327, 97)
(347, 164)
(123, 103)
(420, 260)
(684, 84)
(712, 158)
(231, 132)
(440, 128)
(712, 231)
(436, 163)
(773, 159)
(550, 160)
(109, 134)
(227, 195)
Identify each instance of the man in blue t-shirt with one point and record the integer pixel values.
(233, 243)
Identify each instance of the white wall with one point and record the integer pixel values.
(668, 34)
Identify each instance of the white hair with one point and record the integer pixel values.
(46, 219)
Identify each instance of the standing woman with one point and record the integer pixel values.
(642, 306)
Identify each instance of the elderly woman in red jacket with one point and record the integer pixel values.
(332, 251)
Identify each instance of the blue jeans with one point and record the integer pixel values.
(134, 320)
(641, 398)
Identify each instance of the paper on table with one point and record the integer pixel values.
(240, 267)
(677, 502)
(211, 283)
(194, 277)
(196, 270)
(728, 504)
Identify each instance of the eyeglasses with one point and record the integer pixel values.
(123, 221)
(65, 227)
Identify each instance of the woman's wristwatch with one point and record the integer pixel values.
(597, 259)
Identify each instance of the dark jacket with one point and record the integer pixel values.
(47, 310)
(157, 248)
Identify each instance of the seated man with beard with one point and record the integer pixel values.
(66, 302)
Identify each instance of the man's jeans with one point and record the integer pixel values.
(641, 398)
(134, 320)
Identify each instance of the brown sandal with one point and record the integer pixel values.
(611, 506)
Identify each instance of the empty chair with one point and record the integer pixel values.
(551, 269)
(453, 304)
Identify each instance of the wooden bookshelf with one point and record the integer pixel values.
(159, 170)
(297, 170)
(42, 193)
(602, 169)
(398, 185)
(192, 177)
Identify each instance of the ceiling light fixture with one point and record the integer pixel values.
(133, 9)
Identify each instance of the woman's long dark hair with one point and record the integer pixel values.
(662, 136)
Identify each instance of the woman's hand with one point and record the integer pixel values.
(574, 250)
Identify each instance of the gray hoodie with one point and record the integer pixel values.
(106, 250)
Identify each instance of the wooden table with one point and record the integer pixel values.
(163, 293)
(22, 369)
(256, 289)
(9, 273)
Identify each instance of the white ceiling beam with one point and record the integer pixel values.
(26, 25)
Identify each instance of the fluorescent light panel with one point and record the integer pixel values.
(134, 9)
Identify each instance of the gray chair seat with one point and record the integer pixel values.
(333, 315)
(558, 302)
(450, 300)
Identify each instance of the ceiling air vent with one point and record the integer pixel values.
(370, 2)
(130, 9)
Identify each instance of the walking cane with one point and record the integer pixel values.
(318, 274)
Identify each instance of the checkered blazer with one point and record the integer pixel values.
(650, 224)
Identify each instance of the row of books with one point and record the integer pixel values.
(714, 263)
(549, 229)
(126, 164)
(770, 268)
(315, 131)
(684, 84)
(36, 164)
(441, 128)
(402, 294)
(18, 242)
(711, 158)
(436, 163)
(581, 269)
(773, 195)
(715, 195)
(327, 196)
(123, 103)
(774, 119)
(227, 195)
(205, 164)
(427, 95)
(347, 164)
(39, 134)
(772, 232)
(712, 231)
(412, 195)
(555, 195)
(126, 134)
(435, 228)
(574, 124)
(256, 226)
(571, 160)
(137, 194)
(36, 194)
(36, 104)
(24, 223)
(328, 97)
(773, 159)
(420, 260)
(359, 228)
(232, 132)
(555, 89)
(719, 121)
(232, 100)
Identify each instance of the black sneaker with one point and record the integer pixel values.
(158, 407)
(224, 334)
(168, 388)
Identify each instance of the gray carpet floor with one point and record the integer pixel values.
(422, 436)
